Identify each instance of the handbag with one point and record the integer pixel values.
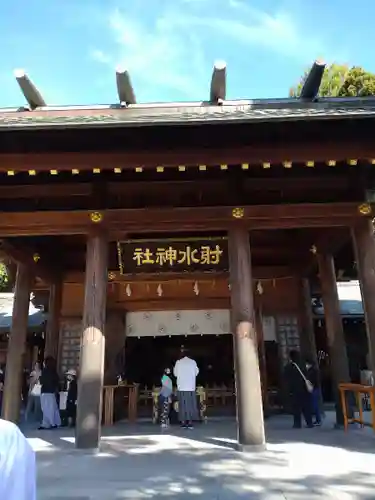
(309, 385)
(37, 389)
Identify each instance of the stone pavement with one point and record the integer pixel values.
(140, 462)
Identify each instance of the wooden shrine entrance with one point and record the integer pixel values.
(286, 186)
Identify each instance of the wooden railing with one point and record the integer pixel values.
(359, 391)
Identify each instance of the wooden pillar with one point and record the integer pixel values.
(16, 345)
(250, 419)
(53, 323)
(334, 328)
(261, 355)
(91, 373)
(307, 333)
(364, 245)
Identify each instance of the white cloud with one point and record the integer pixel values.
(177, 44)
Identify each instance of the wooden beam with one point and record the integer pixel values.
(125, 89)
(175, 304)
(180, 219)
(63, 190)
(28, 257)
(259, 273)
(45, 190)
(29, 90)
(218, 83)
(254, 154)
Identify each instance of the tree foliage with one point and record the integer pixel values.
(4, 278)
(340, 80)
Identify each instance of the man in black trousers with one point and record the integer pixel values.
(297, 383)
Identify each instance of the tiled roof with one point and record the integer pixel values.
(138, 115)
(36, 316)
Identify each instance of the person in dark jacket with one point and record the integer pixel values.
(295, 377)
(49, 381)
(312, 374)
(70, 387)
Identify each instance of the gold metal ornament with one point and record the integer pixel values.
(111, 276)
(238, 213)
(365, 209)
(36, 257)
(96, 217)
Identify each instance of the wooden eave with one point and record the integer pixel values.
(188, 113)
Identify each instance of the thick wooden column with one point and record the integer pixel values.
(261, 355)
(16, 345)
(91, 373)
(307, 333)
(53, 323)
(250, 419)
(334, 328)
(364, 245)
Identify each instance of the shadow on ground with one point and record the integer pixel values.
(141, 463)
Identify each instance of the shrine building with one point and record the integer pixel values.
(204, 224)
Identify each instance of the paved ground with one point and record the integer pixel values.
(141, 463)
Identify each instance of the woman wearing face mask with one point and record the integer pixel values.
(165, 398)
(70, 403)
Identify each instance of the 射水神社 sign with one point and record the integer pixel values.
(179, 256)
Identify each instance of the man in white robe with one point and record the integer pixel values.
(17, 464)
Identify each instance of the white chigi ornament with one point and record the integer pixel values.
(196, 288)
(159, 290)
(128, 290)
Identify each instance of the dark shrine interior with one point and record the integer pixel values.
(147, 357)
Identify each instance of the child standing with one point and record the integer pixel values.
(165, 397)
(70, 412)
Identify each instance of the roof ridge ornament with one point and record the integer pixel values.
(125, 90)
(32, 95)
(311, 86)
(218, 82)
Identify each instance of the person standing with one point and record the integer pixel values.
(299, 388)
(33, 400)
(49, 380)
(71, 391)
(313, 376)
(165, 398)
(186, 371)
(17, 464)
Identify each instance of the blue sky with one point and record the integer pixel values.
(70, 48)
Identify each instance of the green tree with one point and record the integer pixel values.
(340, 80)
(4, 279)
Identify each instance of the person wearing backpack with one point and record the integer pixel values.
(300, 389)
